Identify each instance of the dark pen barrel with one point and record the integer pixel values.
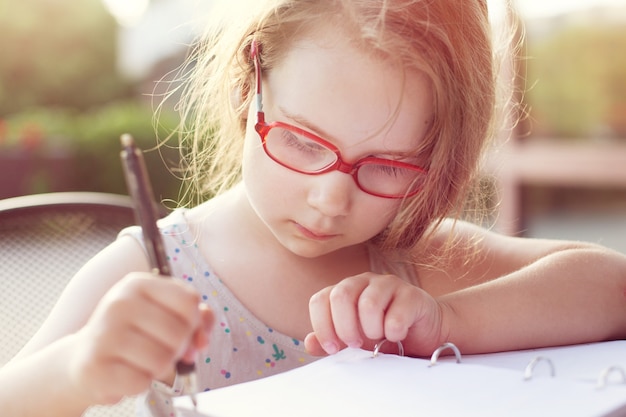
(146, 215)
(141, 192)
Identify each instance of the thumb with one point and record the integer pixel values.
(207, 322)
(313, 346)
(202, 335)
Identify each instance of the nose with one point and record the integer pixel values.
(331, 193)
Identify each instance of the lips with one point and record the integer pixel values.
(313, 234)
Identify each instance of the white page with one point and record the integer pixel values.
(584, 362)
(352, 383)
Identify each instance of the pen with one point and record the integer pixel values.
(145, 212)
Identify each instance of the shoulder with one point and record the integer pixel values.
(175, 218)
(124, 255)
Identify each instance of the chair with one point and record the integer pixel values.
(44, 240)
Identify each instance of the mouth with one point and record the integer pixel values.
(313, 234)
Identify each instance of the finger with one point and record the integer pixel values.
(164, 311)
(174, 295)
(322, 321)
(201, 336)
(170, 294)
(163, 327)
(142, 335)
(180, 307)
(197, 318)
(135, 311)
(109, 365)
(144, 354)
(207, 323)
(401, 313)
(344, 298)
(372, 307)
(312, 345)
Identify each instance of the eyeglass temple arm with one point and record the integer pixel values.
(255, 50)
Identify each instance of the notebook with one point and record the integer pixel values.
(581, 380)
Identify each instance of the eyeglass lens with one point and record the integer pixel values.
(377, 176)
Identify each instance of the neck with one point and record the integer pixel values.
(271, 281)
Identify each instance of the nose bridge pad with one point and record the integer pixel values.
(345, 167)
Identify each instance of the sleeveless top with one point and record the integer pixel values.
(242, 348)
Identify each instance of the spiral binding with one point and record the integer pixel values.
(528, 372)
(382, 342)
(604, 375)
(448, 345)
(434, 358)
(603, 379)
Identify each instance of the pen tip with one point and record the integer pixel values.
(127, 140)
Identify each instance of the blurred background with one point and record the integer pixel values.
(74, 75)
(559, 168)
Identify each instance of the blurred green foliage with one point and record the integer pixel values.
(578, 82)
(98, 147)
(63, 105)
(57, 53)
(88, 142)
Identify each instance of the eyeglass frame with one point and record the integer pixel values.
(263, 128)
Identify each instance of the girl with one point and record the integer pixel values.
(341, 139)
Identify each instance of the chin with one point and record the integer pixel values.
(310, 250)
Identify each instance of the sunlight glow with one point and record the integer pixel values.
(127, 13)
(543, 8)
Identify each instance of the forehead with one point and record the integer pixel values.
(350, 94)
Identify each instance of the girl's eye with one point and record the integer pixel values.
(301, 143)
(391, 172)
(388, 170)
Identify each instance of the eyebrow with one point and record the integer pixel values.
(303, 121)
(318, 131)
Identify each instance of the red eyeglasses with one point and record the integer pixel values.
(307, 153)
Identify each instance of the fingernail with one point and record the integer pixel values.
(330, 348)
(356, 344)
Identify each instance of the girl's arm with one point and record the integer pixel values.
(486, 293)
(111, 333)
(522, 293)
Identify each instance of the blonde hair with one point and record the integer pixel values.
(447, 40)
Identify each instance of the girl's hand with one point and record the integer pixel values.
(362, 310)
(137, 333)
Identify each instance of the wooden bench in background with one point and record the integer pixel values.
(551, 163)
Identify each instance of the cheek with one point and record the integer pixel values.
(263, 178)
(372, 215)
(254, 169)
(254, 162)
